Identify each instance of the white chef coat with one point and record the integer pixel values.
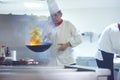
(65, 32)
(109, 41)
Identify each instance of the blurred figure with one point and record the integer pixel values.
(63, 36)
(2, 54)
(108, 45)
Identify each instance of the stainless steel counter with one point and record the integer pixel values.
(43, 73)
(47, 73)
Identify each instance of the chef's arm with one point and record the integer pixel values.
(75, 38)
(68, 44)
(64, 46)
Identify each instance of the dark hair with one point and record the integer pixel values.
(57, 13)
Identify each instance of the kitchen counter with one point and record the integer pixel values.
(49, 73)
(117, 68)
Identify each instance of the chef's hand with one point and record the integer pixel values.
(63, 46)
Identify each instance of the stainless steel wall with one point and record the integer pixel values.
(13, 30)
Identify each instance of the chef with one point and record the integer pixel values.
(63, 36)
(109, 44)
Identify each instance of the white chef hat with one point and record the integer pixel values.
(52, 6)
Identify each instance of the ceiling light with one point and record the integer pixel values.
(33, 5)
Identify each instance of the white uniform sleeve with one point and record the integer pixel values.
(75, 40)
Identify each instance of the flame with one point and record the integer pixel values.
(36, 37)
